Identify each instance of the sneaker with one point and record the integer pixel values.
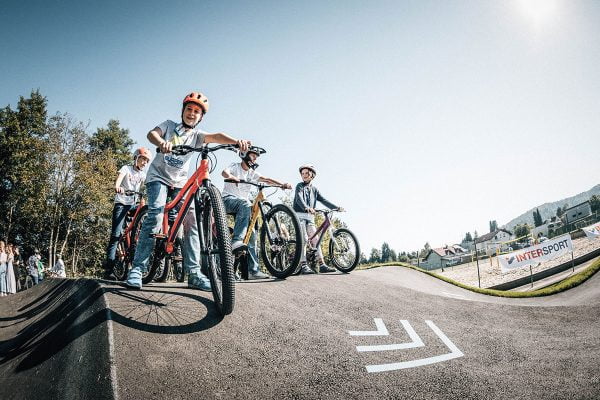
(257, 275)
(134, 278)
(326, 268)
(197, 280)
(306, 270)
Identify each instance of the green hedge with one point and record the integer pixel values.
(563, 285)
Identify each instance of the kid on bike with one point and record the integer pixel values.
(130, 178)
(166, 176)
(236, 200)
(305, 200)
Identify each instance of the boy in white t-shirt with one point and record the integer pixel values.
(130, 178)
(236, 200)
(166, 176)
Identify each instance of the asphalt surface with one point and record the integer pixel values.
(300, 338)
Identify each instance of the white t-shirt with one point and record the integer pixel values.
(240, 190)
(170, 169)
(59, 269)
(132, 181)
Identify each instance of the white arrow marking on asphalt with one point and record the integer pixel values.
(381, 330)
(454, 353)
(416, 341)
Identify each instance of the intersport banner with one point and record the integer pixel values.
(532, 255)
(592, 231)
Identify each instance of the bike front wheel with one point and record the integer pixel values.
(344, 250)
(281, 241)
(216, 246)
(122, 261)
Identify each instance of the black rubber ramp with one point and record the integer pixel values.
(54, 342)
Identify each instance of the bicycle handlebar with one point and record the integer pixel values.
(258, 185)
(325, 211)
(185, 149)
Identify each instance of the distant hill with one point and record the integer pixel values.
(548, 210)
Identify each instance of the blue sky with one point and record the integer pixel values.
(425, 119)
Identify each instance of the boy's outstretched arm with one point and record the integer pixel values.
(272, 181)
(223, 138)
(324, 201)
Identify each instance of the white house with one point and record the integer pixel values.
(443, 256)
(490, 242)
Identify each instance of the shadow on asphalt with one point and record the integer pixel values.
(70, 308)
(157, 310)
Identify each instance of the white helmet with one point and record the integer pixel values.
(310, 167)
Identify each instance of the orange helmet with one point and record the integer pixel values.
(197, 98)
(144, 152)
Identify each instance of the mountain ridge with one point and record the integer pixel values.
(548, 210)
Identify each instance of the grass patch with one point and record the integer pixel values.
(558, 287)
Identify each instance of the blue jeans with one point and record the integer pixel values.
(242, 209)
(157, 198)
(118, 218)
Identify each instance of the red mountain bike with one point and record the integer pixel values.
(126, 245)
(215, 242)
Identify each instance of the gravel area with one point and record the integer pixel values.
(491, 274)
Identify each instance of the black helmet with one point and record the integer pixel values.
(245, 155)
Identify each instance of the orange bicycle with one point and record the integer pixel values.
(280, 235)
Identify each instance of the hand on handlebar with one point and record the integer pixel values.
(243, 145)
(119, 189)
(286, 186)
(166, 147)
(310, 210)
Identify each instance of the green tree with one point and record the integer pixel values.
(375, 256)
(468, 237)
(522, 230)
(393, 255)
(113, 141)
(363, 258)
(537, 218)
(385, 253)
(22, 166)
(425, 250)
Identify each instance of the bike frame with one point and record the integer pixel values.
(257, 209)
(187, 193)
(326, 226)
(127, 232)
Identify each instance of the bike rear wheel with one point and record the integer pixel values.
(216, 249)
(281, 254)
(344, 250)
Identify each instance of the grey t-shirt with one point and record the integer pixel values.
(170, 169)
